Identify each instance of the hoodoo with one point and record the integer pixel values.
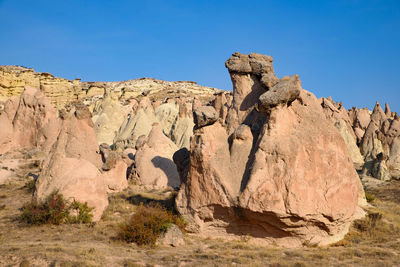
(280, 172)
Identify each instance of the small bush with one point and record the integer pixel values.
(82, 211)
(369, 197)
(55, 210)
(148, 224)
(31, 185)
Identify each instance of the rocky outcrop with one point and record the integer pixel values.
(377, 133)
(339, 117)
(377, 168)
(205, 115)
(251, 76)
(292, 182)
(29, 123)
(6, 129)
(61, 91)
(73, 164)
(108, 115)
(359, 119)
(136, 124)
(153, 165)
(72, 167)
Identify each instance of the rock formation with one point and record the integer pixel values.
(68, 145)
(72, 167)
(291, 180)
(251, 75)
(340, 118)
(108, 115)
(29, 123)
(61, 91)
(153, 165)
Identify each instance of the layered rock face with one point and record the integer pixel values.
(279, 172)
(61, 91)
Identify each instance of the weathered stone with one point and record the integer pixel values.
(283, 93)
(205, 115)
(153, 165)
(172, 237)
(294, 182)
(181, 159)
(32, 123)
(245, 72)
(108, 115)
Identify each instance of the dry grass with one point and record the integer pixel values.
(373, 241)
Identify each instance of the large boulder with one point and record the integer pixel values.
(204, 115)
(72, 166)
(153, 164)
(292, 183)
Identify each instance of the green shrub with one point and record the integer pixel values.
(31, 185)
(369, 197)
(55, 210)
(82, 211)
(148, 224)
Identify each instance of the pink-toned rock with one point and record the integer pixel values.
(31, 122)
(75, 179)
(220, 105)
(246, 72)
(388, 112)
(378, 115)
(72, 166)
(153, 165)
(371, 144)
(394, 158)
(340, 118)
(35, 123)
(293, 183)
(116, 178)
(77, 138)
(6, 129)
(359, 119)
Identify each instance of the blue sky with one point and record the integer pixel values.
(347, 49)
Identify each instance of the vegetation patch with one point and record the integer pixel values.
(56, 210)
(369, 197)
(147, 224)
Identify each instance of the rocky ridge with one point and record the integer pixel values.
(61, 91)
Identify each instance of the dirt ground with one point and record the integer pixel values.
(373, 241)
